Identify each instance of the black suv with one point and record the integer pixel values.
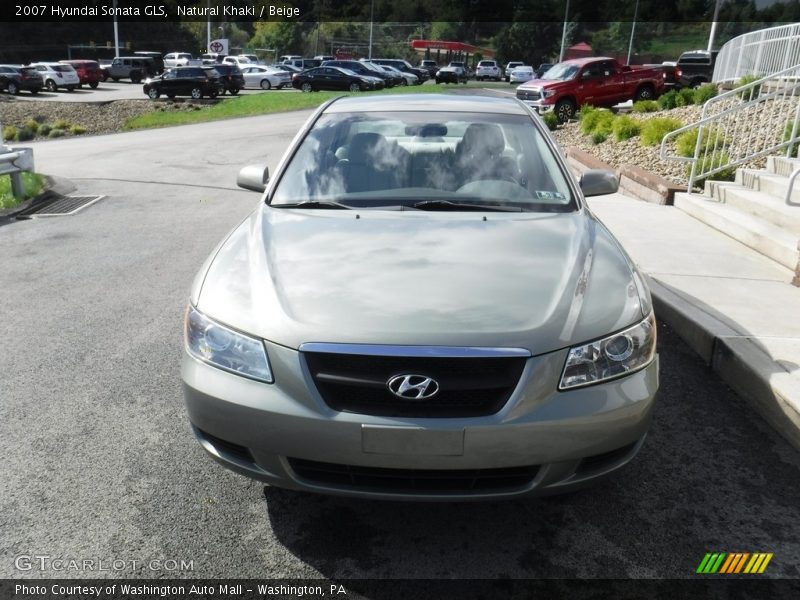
(696, 67)
(183, 81)
(230, 77)
(15, 78)
(402, 65)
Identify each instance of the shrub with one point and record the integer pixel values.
(668, 101)
(550, 119)
(645, 106)
(9, 133)
(712, 161)
(685, 97)
(77, 129)
(705, 93)
(654, 130)
(61, 124)
(598, 137)
(44, 129)
(32, 124)
(25, 134)
(787, 135)
(597, 120)
(56, 133)
(686, 142)
(625, 128)
(752, 92)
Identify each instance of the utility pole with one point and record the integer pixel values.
(714, 26)
(633, 30)
(564, 33)
(371, 17)
(116, 32)
(208, 27)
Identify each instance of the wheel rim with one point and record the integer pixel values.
(51, 85)
(354, 87)
(12, 89)
(645, 94)
(565, 112)
(153, 94)
(265, 85)
(306, 87)
(196, 93)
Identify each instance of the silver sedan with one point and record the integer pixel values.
(422, 307)
(259, 76)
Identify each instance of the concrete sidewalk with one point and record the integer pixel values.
(732, 305)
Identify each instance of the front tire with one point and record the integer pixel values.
(196, 93)
(70, 88)
(565, 110)
(153, 94)
(265, 84)
(234, 91)
(405, 81)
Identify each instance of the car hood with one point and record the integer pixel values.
(546, 83)
(534, 281)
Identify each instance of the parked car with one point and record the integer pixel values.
(229, 76)
(212, 58)
(510, 67)
(431, 66)
(334, 78)
(403, 66)
(488, 69)
(56, 75)
(303, 63)
(422, 307)
(451, 75)
(520, 74)
(239, 61)
(391, 77)
(600, 81)
(16, 78)
(365, 69)
(324, 57)
(696, 67)
(287, 57)
(88, 71)
(407, 78)
(289, 68)
(156, 57)
(254, 60)
(260, 76)
(177, 59)
(196, 82)
(135, 68)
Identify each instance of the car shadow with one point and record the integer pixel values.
(711, 476)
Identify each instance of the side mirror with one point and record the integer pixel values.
(253, 177)
(598, 182)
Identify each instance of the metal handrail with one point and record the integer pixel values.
(788, 198)
(721, 119)
(761, 52)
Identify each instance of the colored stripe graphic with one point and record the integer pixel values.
(734, 563)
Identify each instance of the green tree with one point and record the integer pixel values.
(531, 42)
(284, 36)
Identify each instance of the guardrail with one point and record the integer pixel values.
(13, 161)
(754, 120)
(760, 53)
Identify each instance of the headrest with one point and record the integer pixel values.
(484, 139)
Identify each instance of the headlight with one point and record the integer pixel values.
(548, 93)
(611, 357)
(225, 348)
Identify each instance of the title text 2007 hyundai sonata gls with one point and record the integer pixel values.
(422, 307)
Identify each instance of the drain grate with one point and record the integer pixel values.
(59, 206)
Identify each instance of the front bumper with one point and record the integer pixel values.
(564, 439)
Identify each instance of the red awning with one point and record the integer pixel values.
(451, 46)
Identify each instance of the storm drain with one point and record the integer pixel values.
(59, 206)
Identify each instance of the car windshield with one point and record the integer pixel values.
(425, 161)
(563, 72)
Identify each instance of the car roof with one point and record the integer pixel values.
(426, 103)
(579, 62)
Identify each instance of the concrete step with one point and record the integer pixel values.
(780, 165)
(752, 231)
(771, 183)
(759, 204)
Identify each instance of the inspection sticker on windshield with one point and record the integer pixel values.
(545, 195)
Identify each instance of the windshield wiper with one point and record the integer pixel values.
(448, 205)
(314, 204)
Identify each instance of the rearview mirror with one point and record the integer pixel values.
(598, 182)
(253, 177)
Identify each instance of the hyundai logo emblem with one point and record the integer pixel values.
(413, 387)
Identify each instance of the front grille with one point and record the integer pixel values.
(527, 94)
(468, 386)
(412, 481)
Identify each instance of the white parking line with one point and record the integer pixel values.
(514, 93)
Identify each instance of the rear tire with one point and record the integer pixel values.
(405, 81)
(234, 91)
(13, 88)
(94, 85)
(51, 85)
(70, 88)
(136, 77)
(354, 87)
(645, 92)
(266, 85)
(196, 93)
(307, 87)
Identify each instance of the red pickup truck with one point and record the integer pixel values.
(599, 81)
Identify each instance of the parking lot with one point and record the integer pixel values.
(99, 460)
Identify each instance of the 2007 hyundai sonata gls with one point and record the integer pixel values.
(424, 308)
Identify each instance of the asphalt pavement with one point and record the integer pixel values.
(99, 462)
